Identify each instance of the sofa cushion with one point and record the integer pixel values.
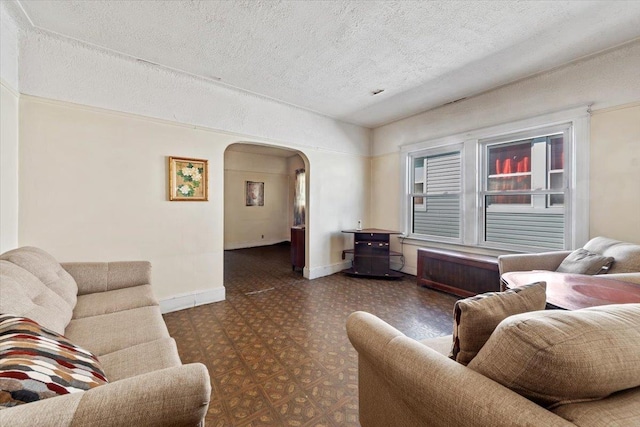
(581, 261)
(626, 255)
(112, 301)
(37, 363)
(47, 269)
(94, 277)
(555, 357)
(111, 332)
(619, 409)
(23, 294)
(475, 318)
(440, 344)
(140, 359)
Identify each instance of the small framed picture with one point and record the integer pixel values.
(188, 179)
(255, 193)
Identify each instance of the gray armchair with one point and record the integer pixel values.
(625, 267)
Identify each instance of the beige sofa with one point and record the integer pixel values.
(110, 310)
(404, 382)
(625, 267)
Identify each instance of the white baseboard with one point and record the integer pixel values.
(255, 243)
(326, 270)
(192, 299)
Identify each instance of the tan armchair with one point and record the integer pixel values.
(625, 267)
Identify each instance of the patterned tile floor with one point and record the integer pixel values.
(277, 349)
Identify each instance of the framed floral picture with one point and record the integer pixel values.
(188, 179)
(255, 193)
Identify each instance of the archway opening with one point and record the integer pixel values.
(266, 205)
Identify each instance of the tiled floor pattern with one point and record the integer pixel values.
(277, 349)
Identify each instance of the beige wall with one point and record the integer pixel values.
(615, 174)
(614, 183)
(94, 188)
(248, 226)
(8, 168)
(339, 195)
(604, 81)
(386, 191)
(59, 68)
(386, 197)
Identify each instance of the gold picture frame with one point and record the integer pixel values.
(188, 179)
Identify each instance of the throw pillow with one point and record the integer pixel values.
(556, 357)
(37, 363)
(475, 318)
(581, 261)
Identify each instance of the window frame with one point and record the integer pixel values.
(432, 152)
(422, 207)
(576, 179)
(485, 144)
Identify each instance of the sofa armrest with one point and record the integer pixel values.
(177, 396)
(403, 382)
(94, 277)
(41, 413)
(526, 262)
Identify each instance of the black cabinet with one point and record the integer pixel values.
(371, 253)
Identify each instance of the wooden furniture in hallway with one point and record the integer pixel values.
(297, 247)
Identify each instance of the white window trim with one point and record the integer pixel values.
(423, 206)
(432, 151)
(577, 220)
(484, 144)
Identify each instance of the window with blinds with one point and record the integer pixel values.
(518, 186)
(435, 201)
(524, 190)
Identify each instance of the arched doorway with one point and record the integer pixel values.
(259, 193)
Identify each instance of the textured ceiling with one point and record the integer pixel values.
(329, 56)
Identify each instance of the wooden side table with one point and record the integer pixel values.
(575, 291)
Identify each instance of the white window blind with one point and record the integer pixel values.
(436, 210)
